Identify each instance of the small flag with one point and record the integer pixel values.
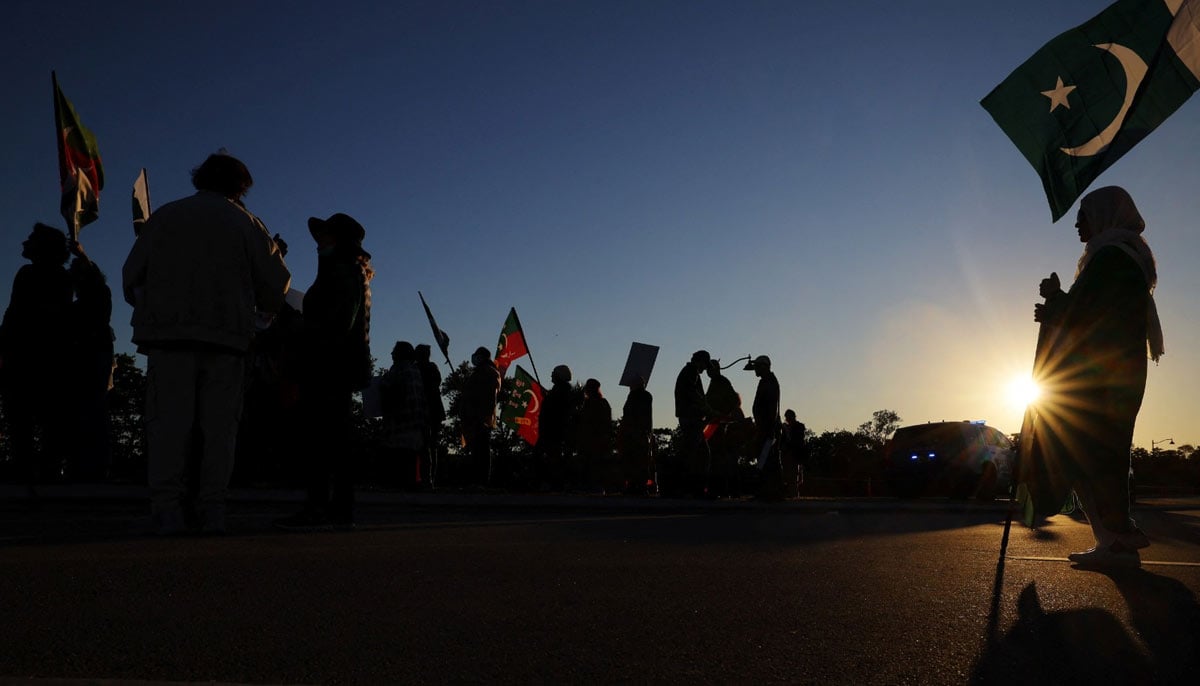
(521, 408)
(442, 338)
(141, 201)
(1092, 93)
(512, 344)
(80, 174)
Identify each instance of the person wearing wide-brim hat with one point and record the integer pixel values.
(335, 362)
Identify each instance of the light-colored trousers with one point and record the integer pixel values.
(193, 406)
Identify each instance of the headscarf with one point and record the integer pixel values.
(1115, 221)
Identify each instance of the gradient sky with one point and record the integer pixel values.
(811, 180)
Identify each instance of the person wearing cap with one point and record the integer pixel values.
(793, 452)
(766, 425)
(335, 361)
(198, 273)
(689, 470)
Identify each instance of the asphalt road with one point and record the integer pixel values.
(574, 592)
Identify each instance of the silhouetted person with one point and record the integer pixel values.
(725, 406)
(269, 433)
(405, 405)
(687, 473)
(91, 368)
(793, 452)
(553, 448)
(1095, 376)
(335, 362)
(478, 413)
(34, 344)
(635, 437)
(766, 427)
(594, 430)
(435, 413)
(197, 272)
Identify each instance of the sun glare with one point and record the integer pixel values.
(1022, 391)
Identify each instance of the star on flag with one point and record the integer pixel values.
(1058, 95)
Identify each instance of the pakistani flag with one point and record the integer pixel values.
(520, 409)
(80, 173)
(1094, 92)
(512, 342)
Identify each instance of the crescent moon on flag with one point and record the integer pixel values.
(1135, 71)
(534, 407)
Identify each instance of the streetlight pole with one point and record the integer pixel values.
(1154, 444)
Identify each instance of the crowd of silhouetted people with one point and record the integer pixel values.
(238, 362)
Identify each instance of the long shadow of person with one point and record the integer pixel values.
(1085, 646)
(1166, 616)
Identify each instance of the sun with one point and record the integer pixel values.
(1023, 390)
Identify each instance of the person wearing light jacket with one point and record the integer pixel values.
(198, 273)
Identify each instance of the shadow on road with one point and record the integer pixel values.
(1089, 646)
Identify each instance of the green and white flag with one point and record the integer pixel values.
(1088, 96)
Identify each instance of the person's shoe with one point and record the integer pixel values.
(1115, 555)
(305, 520)
(168, 522)
(1134, 539)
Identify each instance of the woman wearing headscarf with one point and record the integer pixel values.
(1093, 369)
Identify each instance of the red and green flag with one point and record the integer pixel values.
(80, 174)
(1092, 93)
(512, 342)
(520, 408)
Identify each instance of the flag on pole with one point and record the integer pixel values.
(521, 407)
(512, 342)
(442, 338)
(141, 201)
(1092, 93)
(80, 173)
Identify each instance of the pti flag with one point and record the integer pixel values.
(442, 338)
(80, 173)
(512, 342)
(520, 409)
(141, 201)
(1089, 95)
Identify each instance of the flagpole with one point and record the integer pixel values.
(436, 331)
(527, 351)
(58, 139)
(62, 158)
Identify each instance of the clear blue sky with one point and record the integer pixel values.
(814, 181)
